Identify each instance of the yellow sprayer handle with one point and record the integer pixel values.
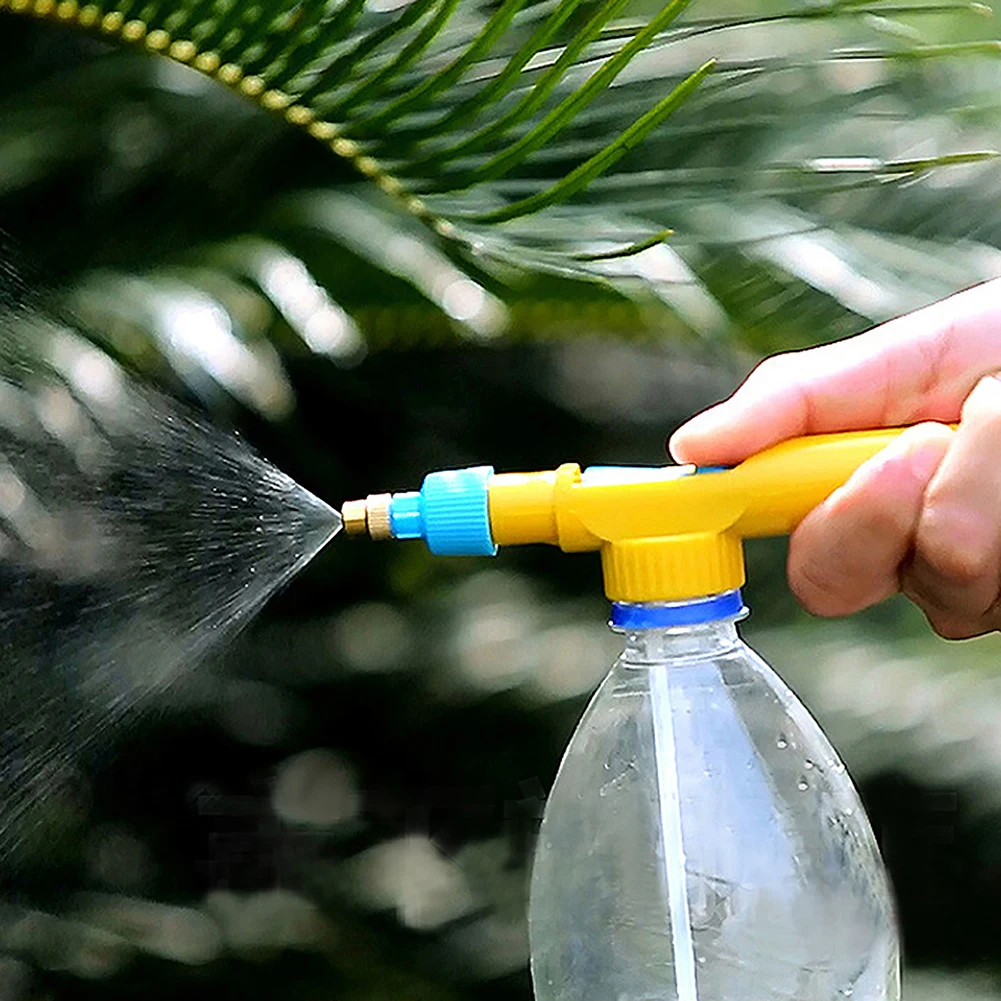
(664, 533)
(673, 532)
(784, 483)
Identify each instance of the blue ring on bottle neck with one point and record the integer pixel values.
(664, 615)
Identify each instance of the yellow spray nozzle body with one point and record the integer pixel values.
(667, 534)
(676, 533)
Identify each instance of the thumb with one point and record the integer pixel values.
(920, 367)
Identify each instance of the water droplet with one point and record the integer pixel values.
(781, 743)
(701, 960)
(839, 769)
(808, 764)
(802, 785)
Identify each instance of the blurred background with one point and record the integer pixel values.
(340, 800)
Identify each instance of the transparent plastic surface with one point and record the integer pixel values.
(703, 842)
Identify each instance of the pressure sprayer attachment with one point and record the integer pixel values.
(702, 841)
(665, 534)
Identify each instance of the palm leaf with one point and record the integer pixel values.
(307, 62)
(816, 167)
(353, 78)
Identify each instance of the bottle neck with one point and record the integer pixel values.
(659, 631)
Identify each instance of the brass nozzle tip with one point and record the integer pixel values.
(355, 517)
(369, 516)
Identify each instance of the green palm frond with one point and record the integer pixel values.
(444, 105)
(378, 86)
(773, 174)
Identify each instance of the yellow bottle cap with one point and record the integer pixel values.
(675, 568)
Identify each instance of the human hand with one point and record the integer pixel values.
(922, 517)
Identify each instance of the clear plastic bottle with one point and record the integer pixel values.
(703, 841)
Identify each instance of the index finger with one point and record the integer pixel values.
(919, 367)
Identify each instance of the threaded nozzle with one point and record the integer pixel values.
(368, 517)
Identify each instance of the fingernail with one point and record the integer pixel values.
(701, 426)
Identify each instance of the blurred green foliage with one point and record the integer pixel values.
(343, 804)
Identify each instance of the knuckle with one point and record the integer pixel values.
(950, 628)
(815, 590)
(954, 563)
(873, 510)
(890, 521)
(947, 555)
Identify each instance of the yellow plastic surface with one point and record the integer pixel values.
(673, 537)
